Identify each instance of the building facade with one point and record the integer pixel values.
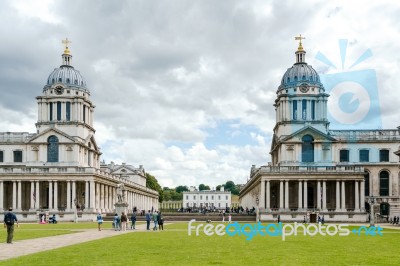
(58, 168)
(207, 199)
(319, 171)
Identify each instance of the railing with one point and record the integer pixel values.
(379, 134)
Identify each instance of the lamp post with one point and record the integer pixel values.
(371, 211)
(257, 214)
(75, 210)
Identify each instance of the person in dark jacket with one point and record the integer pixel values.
(160, 221)
(133, 220)
(9, 219)
(148, 219)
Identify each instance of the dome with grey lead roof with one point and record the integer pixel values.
(68, 76)
(300, 73)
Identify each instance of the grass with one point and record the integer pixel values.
(174, 247)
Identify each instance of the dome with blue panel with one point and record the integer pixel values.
(300, 73)
(66, 74)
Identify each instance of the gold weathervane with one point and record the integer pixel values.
(66, 42)
(299, 38)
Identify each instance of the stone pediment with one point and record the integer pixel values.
(92, 141)
(43, 136)
(317, 135)
(125, 170)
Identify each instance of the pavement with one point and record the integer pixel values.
(30, 246)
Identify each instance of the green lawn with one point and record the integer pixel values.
(174, 247)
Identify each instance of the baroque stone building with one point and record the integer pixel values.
(58, 168)
(319, 171)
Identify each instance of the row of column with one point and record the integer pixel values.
(97, 196)
(285, 110)
(265, 195)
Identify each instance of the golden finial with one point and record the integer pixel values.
(299, 38)
(66, 42)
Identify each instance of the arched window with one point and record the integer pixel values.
(52, 149)
(384, 183)
(366, 183)
(307, 149)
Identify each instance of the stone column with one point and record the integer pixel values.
(106, 205)
(92, 195)
(362, 196)
(300, 196)
(87, 204)
(337, 195)
(357, 198)
(319, 195)
(73, 196)
(55, 195)
(14, 198)
(102, 197)
(68, 195)
(262, 196)
(343, 196)
(1, 197)
(19, 206)
(32, 203)
(268, 196)
(305, 203)
(287, 194)
(324, 195)
(281, 195)
(37, 193)
(50, 200)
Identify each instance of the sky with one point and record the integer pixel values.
(186, 88)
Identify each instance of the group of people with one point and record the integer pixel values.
(395, 220)
(157, 218)
(119, 223)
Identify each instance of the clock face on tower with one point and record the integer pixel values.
(59, 90)
(304, 88)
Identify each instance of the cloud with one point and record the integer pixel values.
(169, 78)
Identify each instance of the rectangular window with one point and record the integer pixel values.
(201, 197)
(18, 156)
(194, 197)
(384, 155)
(344, 155)
(219, 197)
(68, 111)
(313, 110)
(364, 155)
(226, 197)
(58, 111)
(51, 111)
(1, 156)
(212, 197)
(206, 197)
(84, 113)
(304, 109)
(294, 110)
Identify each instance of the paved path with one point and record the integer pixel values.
(30, 246)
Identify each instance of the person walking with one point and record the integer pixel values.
(99, 221)
(133, 220)
(124, 220)
(155, 219)
(9, 219)
(116, 222)
(148, 219)
(160, 221)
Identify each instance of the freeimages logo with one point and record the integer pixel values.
(354, 97)
(282, 230)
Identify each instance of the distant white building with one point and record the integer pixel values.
(208, 199)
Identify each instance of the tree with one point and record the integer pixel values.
(203, 187)
(218, 187)
(151, 182)
(230, 186)
(180, 189)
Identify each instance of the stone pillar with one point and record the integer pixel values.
(102, 197)
(1, 197)
(281, 195)
(319, 195)
(92, 195)
(68, 195)
(324, 195)
(300, 196)
(357, 198)
(37, 194)
(305, 203)
(268, 196)
(287, 194)
(55, 195)
(337, 195)
(262, 196)
(343, 196)
(19, 206)
(87, 204)
(362, 196)
(106, 198)
(50, 200)
(14, 198)
(32, 196)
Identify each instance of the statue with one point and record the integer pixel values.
(120, 192)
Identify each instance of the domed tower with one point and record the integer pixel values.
(301, 99)
(65, 103)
